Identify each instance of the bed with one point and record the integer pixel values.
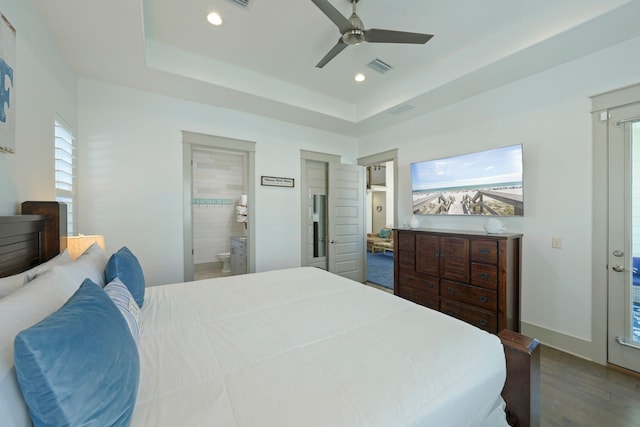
(289, 347)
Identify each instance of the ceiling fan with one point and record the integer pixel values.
(352, 32)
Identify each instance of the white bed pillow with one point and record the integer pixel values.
(10, 284)
(89, 265)
(59, 259)
(18, 311)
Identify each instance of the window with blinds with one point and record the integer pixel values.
(65, 171)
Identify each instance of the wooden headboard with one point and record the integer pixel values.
(20, 243)
(29, 240)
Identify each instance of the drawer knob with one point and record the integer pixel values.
(484, 251)
(483, 276)
(484, 299)
(451, 290)
(483, 322)
(430, 285)
(451, 312)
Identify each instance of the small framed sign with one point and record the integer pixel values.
(275, 181)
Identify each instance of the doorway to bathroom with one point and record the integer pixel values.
(218, 210)
(218, 206)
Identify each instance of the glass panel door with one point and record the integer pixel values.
(624, 238)
(634, 322)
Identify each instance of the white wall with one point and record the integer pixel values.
(549, 113)
(45, 86)
(130, 158)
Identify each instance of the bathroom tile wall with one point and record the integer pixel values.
(217, 187)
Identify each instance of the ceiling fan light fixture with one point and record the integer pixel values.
(353, 36)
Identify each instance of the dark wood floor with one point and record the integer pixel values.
(576, 392)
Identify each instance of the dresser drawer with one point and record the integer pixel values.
(419, 282)
(406, 260)
(485, 276)
(419, 296)
(406, 241)
(484, 251)
(475, 316)
(475, 296)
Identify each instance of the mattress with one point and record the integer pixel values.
(303, 347)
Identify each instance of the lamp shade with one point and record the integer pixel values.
(76, 245)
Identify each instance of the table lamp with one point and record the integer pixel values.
(76, 245)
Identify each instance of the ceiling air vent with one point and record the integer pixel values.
(243, 3)
(403, 108)
(380, 66)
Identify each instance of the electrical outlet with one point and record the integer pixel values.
(556, 242)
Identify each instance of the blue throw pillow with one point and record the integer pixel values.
(125, 266)
(385, 233)
(80, 365)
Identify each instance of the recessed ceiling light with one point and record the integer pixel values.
(359, 77)
(214, 18)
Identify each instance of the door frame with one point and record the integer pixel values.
(189, 139)
(374, 159)
(335, 167)
(385, 156)
(601, 104)
(313, 156)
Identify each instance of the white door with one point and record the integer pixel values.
(624, 237)
(315, 239)
(346, 221)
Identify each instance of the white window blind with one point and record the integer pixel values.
(65, 171)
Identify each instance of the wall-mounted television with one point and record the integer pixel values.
(486, 182)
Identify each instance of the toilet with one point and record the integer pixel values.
(224, 257)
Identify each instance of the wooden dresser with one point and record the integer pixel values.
(472, 276)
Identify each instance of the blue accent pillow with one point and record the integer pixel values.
(385, 233)
(80, 365)
(125, 266)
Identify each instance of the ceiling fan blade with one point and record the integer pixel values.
(335, 50)
(332, 13)
(375, 35)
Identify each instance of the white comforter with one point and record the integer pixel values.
(303, 347)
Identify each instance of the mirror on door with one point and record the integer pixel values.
(319, 225)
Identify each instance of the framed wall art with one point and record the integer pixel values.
(7, 86)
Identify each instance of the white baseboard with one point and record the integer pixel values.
(567, 343)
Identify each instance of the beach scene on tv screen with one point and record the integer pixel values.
(482, 183)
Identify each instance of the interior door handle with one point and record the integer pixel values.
(618, 268)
